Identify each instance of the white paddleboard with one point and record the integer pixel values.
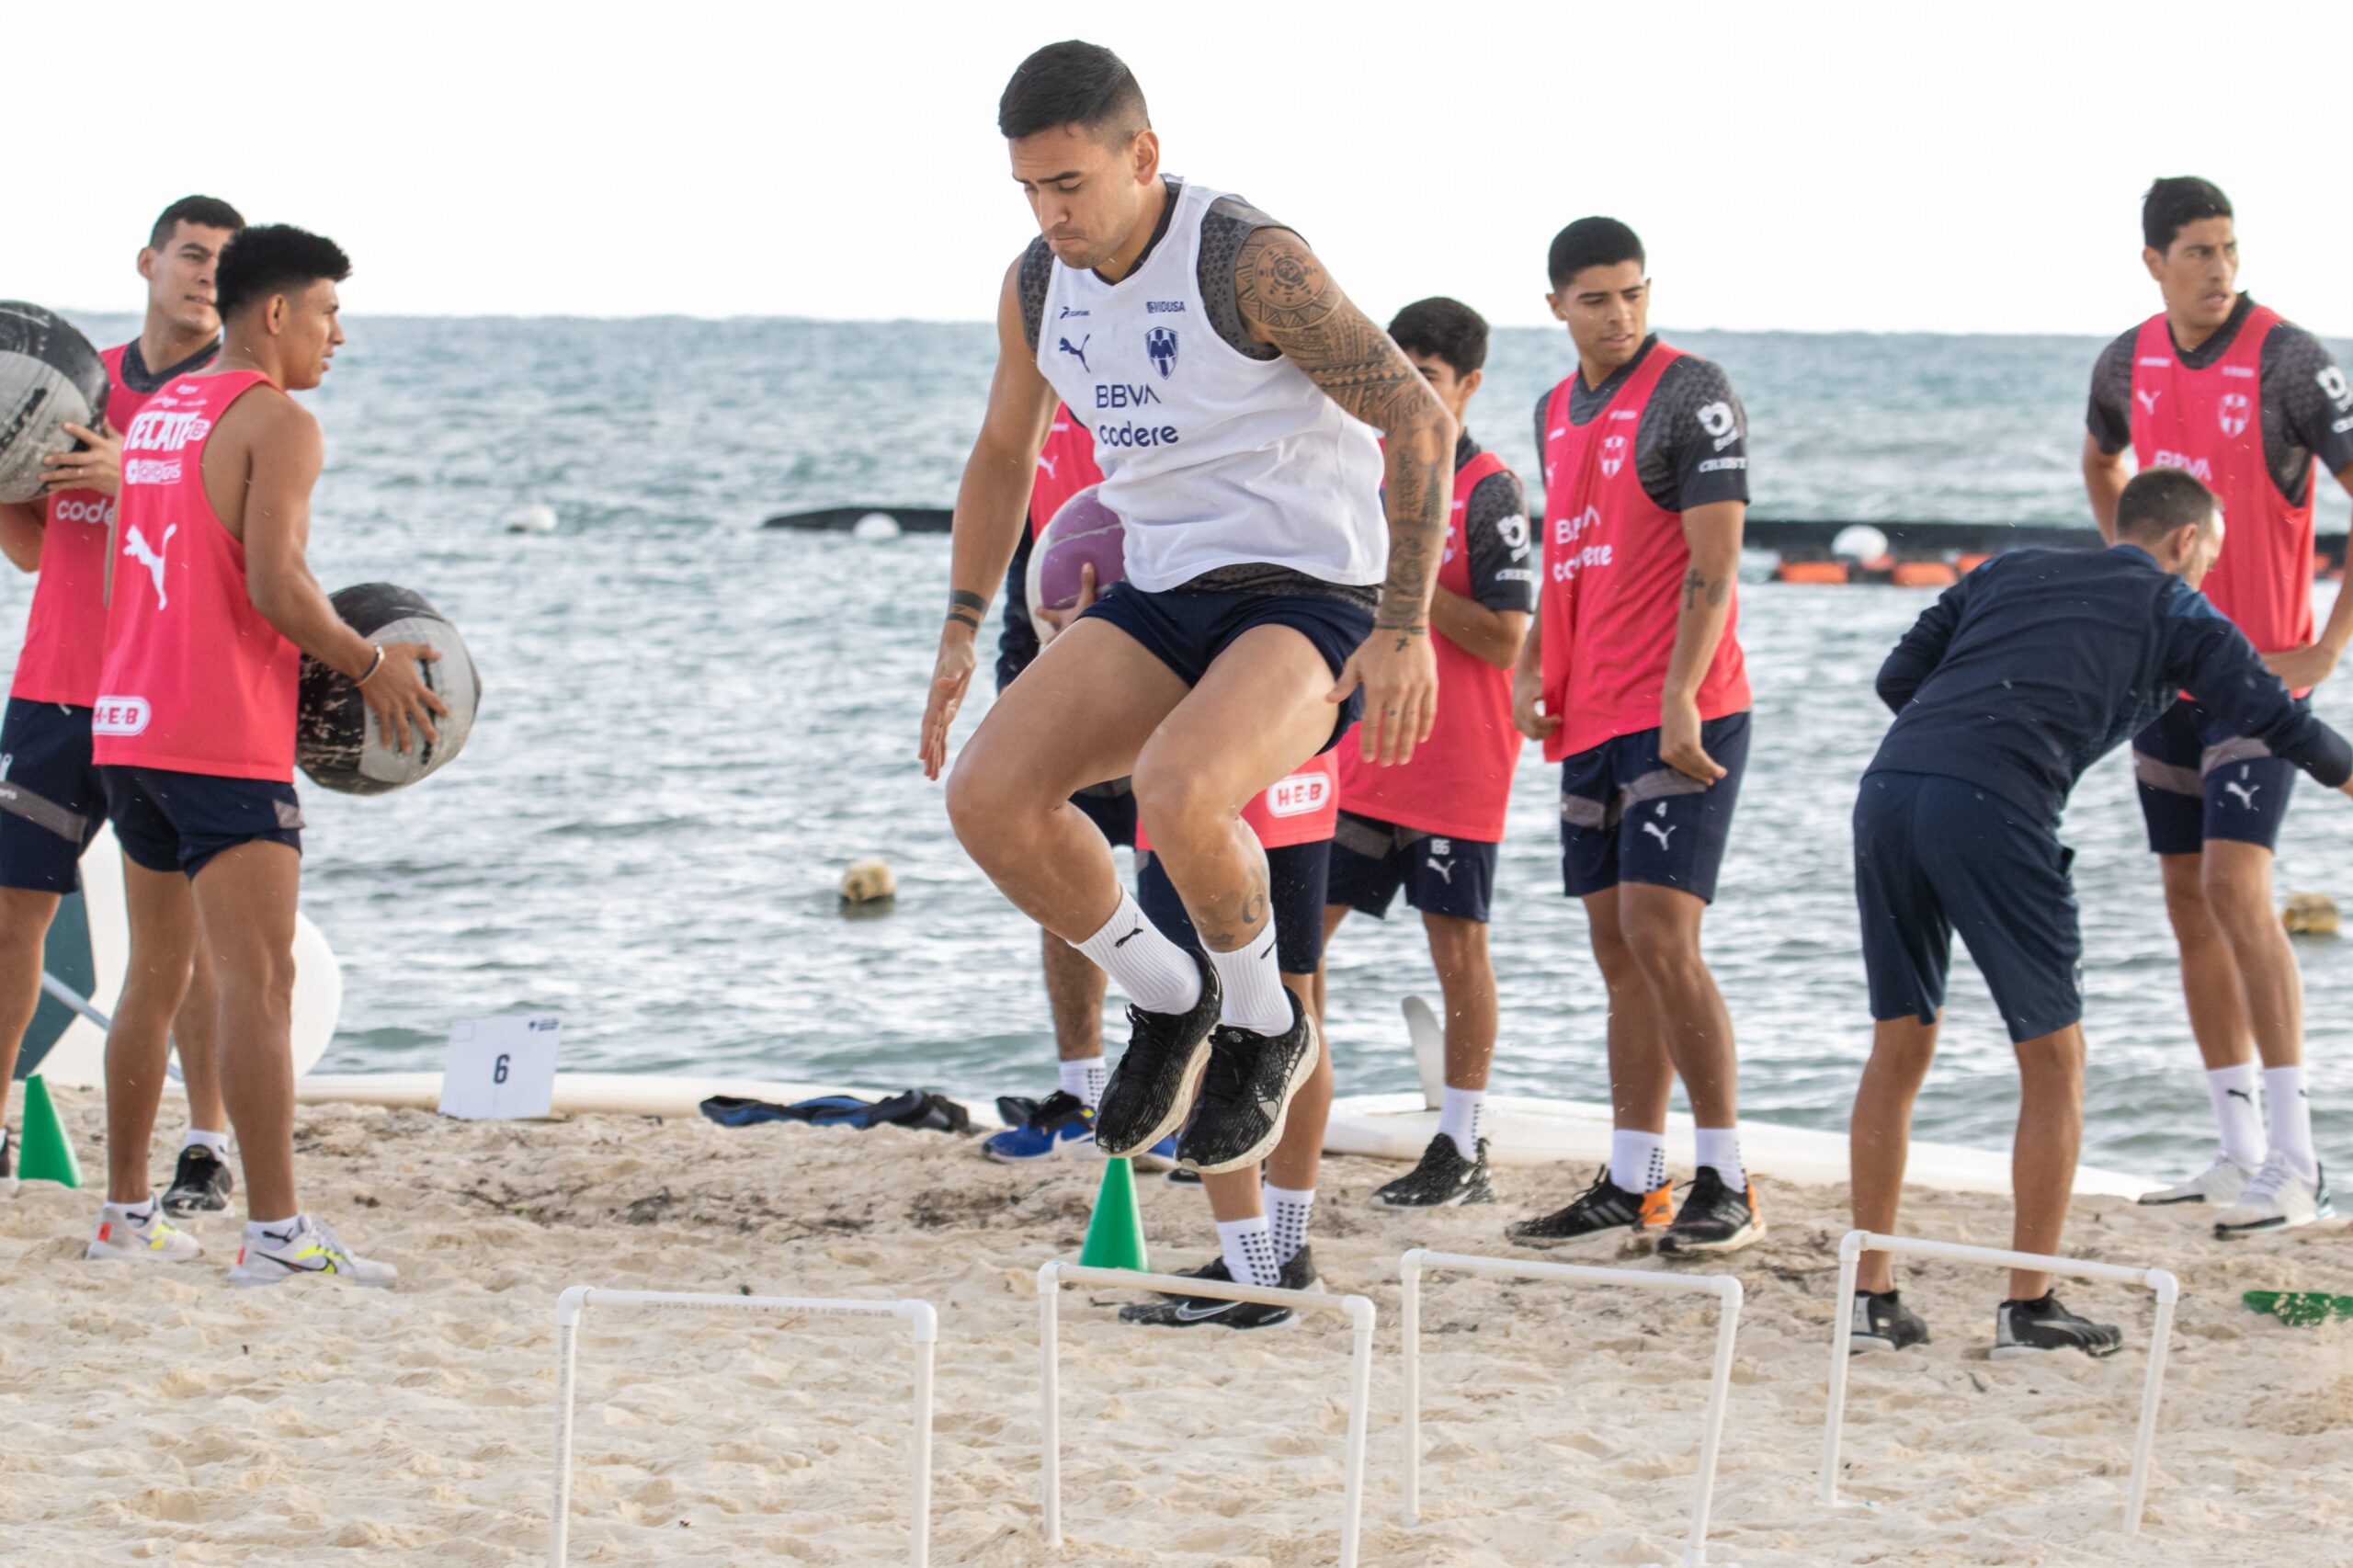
(1429, 1051)
(79, 1056)
(1525, 1131)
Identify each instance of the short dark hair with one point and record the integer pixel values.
(1444, 329)
(274, 258)
(1073, 82)
(1592, 242)
(204, 211)
(2160, 500)
(2176, 202)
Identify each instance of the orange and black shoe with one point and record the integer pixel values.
(1603, 1214)
(1715, 1217)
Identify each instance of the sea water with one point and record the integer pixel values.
(689, 726)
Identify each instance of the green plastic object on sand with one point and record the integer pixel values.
(2301, 1309)
(1114, 1232)
(45, 1153)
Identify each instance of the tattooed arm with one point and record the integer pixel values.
(1288, 299)
(1713, 534)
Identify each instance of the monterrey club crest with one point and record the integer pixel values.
(1613, 454)
(2234, 410)
(1160, 343)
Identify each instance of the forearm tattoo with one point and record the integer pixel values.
(1289, 300)
(1697, 585)
(966, 606)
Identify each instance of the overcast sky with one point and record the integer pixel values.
(1970, 167)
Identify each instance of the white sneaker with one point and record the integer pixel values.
(152, 1239)
(2219, 1184)
(306, 1246)
(2276, 1198)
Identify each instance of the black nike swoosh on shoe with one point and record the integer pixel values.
(1129, 937)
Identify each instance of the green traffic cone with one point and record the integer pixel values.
(1115, 1234)
(45, 1153)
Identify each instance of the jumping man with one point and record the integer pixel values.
(1234, 394)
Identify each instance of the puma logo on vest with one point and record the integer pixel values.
(151, 558)
(2148, 397)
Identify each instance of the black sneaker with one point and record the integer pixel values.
(1238, 1117)
(1713, 1218)
(200, 1185)
(1193, 1312)
(7, 1164)
(2032, 1328)
(1883, 1323)
(1146, 1097)
(1603, 1212)
(1443, 1180)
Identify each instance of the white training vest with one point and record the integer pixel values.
(1210, 458)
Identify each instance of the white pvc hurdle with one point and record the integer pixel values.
(2160, 1281)
(1724, 1287)
(573, 1306)
(1356, 1309)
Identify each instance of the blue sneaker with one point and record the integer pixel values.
(1062, 1126)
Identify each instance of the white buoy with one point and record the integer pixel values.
(531, 517)
(869, 885)
(875, 525)
(1859, 541)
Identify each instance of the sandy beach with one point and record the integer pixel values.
(156, 1413)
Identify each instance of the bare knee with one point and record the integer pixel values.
(1664, 942)
(2239, 904)
(2053, 1061)
(1458, 948)
(986, 806)
(1176, 805)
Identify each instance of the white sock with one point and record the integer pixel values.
(1459, 1116)
(1249, 1249)
(1254, 997)
(254, 1228)
(1288, 1210)
(1083, 1080)
(2241, 1123)
(1158, 975)
(2289, 1108)
(129, 1214)
(1719, 1147)
(1637, 1161)
(216, 1141)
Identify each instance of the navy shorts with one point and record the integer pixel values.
(1187, 631)
(2198, 781)
(1112, 808)
(1627, 817)
(51, 803)
(1294, 890)
(169, 820)
(1934, 856)
(1371, 860)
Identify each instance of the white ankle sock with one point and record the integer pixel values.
(1249, 1249)
(137, 1213)
(1637, 1161)
(1083, 1080)
(2237, 1115)
(1459, 1116)
(254, 1228)
(216, 1141)
(1288, 1212)
(1158, 975)
(1719, 1147)
(2289, 1110)
(1254, 997)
